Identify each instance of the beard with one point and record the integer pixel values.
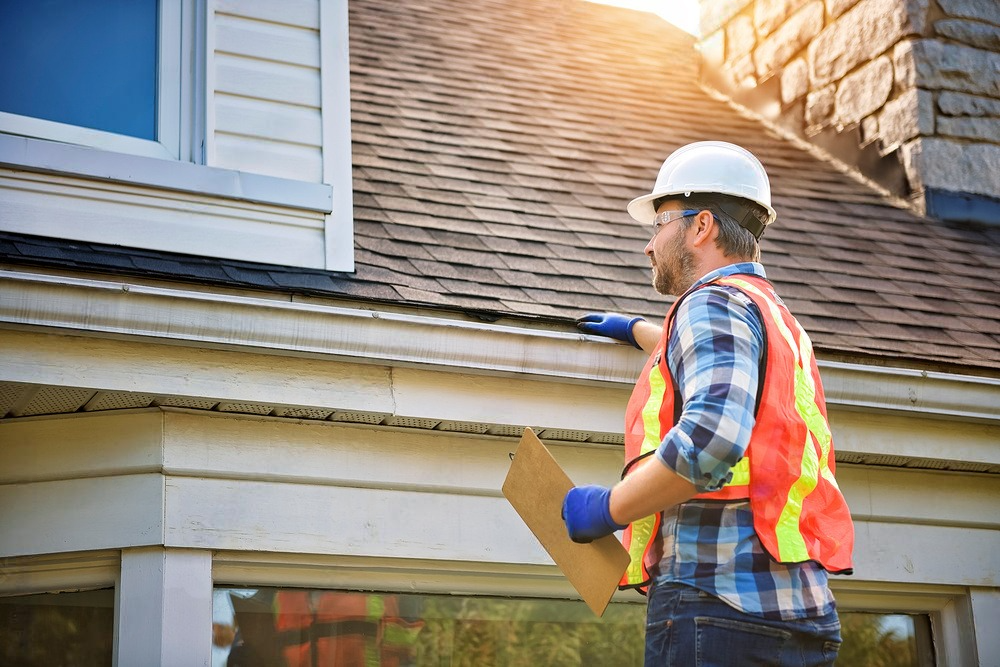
(673, 273)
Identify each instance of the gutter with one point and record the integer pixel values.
(237, 322)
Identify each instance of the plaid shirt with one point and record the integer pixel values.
(713, 355)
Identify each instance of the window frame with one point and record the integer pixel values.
(178, 79)
(82, 154)
(59, 573)
(949, 608)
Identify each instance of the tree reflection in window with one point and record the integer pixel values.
(885, 640)
(58, 629)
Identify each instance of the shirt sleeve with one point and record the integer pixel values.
(714, 356)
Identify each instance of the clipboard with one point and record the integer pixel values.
(536, 486)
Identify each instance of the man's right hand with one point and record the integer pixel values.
(612, 325)
(587, 513)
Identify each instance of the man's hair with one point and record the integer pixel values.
(734, 240)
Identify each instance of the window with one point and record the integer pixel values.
(58, 629)
(106, 73)
(321, 627)
(886, 640)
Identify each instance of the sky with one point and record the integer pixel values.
(682, 13)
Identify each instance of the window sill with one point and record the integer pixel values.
(37, 155)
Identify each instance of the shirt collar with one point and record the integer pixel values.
(753, 268)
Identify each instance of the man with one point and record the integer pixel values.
(729, 503)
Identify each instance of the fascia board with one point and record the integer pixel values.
(106, 308)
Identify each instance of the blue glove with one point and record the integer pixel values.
(587, 513)
(611, 325)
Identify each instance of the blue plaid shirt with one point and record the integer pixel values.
(713, 355)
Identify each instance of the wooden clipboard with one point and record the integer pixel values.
(535, 486)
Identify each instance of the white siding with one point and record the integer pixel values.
(265, 95)
(147, 217)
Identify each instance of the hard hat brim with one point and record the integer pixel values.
(642, 210)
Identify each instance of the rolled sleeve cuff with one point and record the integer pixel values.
(678, 453)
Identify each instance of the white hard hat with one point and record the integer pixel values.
(707, 167)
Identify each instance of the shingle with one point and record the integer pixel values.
(315, 282)
(249, 276)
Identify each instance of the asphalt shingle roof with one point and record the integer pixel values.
(496, 143)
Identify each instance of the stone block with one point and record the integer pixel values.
(908, 116)
(717, 13)
(972, 33)
(983, 10)
(794, 80)
(793, 36)
(970, 127)
(960, 104)
(863, 91)
(742, 72)
(869, 130)
(952, 165)
(819, 109)
(866, 30)
(769, 14)
(837, 7)
(941, 66)
(904, 65)
(740, 37)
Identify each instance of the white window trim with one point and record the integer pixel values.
(23, 153)
(336, 104)
(953, 625)
(176, 89)
(58, 573)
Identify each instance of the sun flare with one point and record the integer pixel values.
(682, 13)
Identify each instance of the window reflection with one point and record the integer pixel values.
(90, 64)
(58, 629)
(297, 627)
(885, 640)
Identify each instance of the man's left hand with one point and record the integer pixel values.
(587, 513)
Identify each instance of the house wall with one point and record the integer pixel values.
(258, 159)
(907, 90)
(265, 91)
(379, 450)
(244, 499)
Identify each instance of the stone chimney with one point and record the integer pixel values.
(906, 91)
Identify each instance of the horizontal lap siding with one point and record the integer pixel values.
(267, 88)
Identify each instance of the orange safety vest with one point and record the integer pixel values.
(350, 629)
(787, 471)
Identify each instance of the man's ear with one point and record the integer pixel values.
(705, 229)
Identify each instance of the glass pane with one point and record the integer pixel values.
(297, 627)
(91, 64)
(58, 629)
(885, 640)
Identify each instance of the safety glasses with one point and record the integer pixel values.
(664, 218)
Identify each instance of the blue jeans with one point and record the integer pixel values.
(686, 627)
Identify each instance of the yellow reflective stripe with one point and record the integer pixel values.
(651, 411)
(791, 546)
(741, 473)
(642, 532)
(375, 607)
(816, 422)
(399, 635)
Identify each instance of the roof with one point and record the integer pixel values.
(496, 144)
